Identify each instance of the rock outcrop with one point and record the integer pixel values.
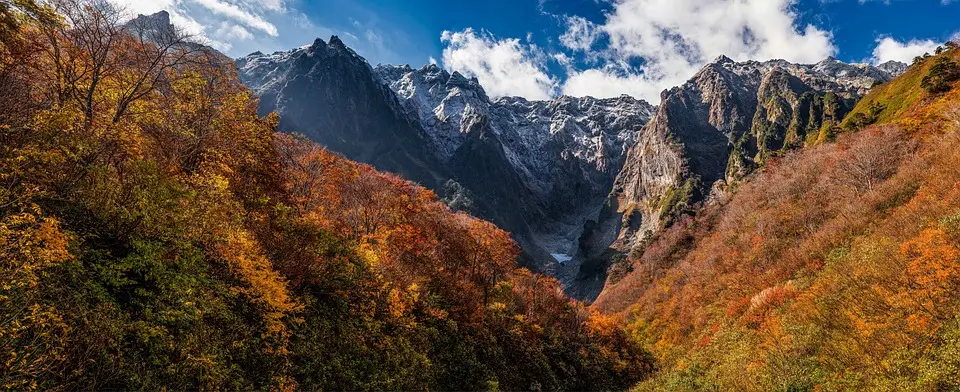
(539, 169)
(711, 132)
(330, 94)
(575, 180)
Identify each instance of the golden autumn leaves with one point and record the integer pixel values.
(157, 233)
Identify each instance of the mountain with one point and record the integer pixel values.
(565, 154)
(575, 180)
(726, 121)
(330, 94)
(540, 169)
(894, 67)
(835, 267)
(187, 245)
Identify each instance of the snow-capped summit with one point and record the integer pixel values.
(438, 100)
(563, 154)
(894, 68)
(538, 135)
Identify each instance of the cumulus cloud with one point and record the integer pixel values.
(610, 83)
(654, 44)
(890, 49)
(505, 67)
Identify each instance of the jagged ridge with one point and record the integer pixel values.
(553, 162)
(712, 131)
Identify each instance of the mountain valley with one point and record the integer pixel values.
(577, 180)
(172, 218)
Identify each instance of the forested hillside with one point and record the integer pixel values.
(834, 268)
(156, 234)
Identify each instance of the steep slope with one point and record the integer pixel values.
(330, 94)
(834, 267)
(553, 162)
(565, 154)
(187, 245)
(558, 160)
(727, 120)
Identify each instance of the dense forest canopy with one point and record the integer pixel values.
(155, 233)
(836, 267)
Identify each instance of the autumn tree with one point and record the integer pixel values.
(95, 49)
(156, 233)
(952, 114)
(943, 73)
(872, 160)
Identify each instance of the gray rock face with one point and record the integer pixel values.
(713, 130)
(539, 169)
(575, 180)
(894, 67)
(330, 94)
(560, 158)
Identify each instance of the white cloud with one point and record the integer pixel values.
(890, 49)
(301, 20)
(563, 59)
(249, 13)
(238, 14)
(580, 34)
(374, 38)
(607, 83)
(233, 32)
(503, 66)
(235, 27)
(667, 41)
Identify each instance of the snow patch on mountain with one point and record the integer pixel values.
(829, 74)
(537, 136)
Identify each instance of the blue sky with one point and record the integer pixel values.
(543, 48)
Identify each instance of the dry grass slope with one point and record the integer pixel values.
(835, 268)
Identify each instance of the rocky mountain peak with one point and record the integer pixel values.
(161, 18)
(333, 47)
(155, 26)
(894, 68)
(722, 59)
(430, 68)
(336, 43)
(723, 122)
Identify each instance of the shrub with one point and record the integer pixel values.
(943, 74)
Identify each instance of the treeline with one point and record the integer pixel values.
(835, 268)
(155, 233)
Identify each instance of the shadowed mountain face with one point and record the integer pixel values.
(540, 169)
(551, 163)
(575, 180)
(330, 94)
